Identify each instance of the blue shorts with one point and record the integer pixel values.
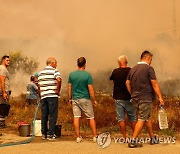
(123, 106)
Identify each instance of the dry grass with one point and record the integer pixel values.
(104, 113)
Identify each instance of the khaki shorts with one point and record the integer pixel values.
(143, 109)
(84, 105)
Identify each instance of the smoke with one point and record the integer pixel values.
(99, 30)
(18, 85)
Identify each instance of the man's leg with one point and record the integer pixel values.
(44, 116)
(77, 115)
(53, 112)
(149, 128)
(148, 122)
(76, 126)
(122, 125)
(154, 139)
(138, 128)
(120, 111)
(4, 105)
(87, 108)
(131, 112)
(93, 126)
(133, 124)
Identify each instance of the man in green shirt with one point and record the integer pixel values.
(80, 89)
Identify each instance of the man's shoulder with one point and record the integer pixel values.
(115, 70)
(138, 66)
(86, 72)
(73, 72)
(145, 66)
(121, 69)
(142, 67)
(2, 67)
(3, 70)
(47, 69)
(79, 72)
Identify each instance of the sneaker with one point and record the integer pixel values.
(44, 136)
(134, 144)
(79, 139)
(95, 139)
(51, 137)
(154, 140)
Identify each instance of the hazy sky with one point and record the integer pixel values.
(100, 30)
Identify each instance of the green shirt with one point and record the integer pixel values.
(79, 81)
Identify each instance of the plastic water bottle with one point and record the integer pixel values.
(162, 118)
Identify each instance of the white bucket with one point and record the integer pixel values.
(37, 130)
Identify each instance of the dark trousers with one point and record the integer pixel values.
(49, 110)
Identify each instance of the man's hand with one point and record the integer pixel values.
(128, 85)
(70, 102)
(95, 103)
(39, 100)
(161, 101)
(56, 92)
(5, 95)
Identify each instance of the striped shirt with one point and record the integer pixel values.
(47, 82)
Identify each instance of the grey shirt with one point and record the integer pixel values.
(140, 77)
(4, 72)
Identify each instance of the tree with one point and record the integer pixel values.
(20, 62)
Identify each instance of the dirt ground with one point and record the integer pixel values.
(66, 145)
(86, 147)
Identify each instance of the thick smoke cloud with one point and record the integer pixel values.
(100, 30)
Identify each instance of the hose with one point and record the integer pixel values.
(32, 136)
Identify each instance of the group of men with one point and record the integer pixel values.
(80, 89)
(135, 89)
(134, 92)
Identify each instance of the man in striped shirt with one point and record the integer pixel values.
(49, 82)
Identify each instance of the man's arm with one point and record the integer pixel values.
(70, 92)
(157, 91)
(58, 85)
(92, 93)
(2, 80)
(128, 85)
(39, 91)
